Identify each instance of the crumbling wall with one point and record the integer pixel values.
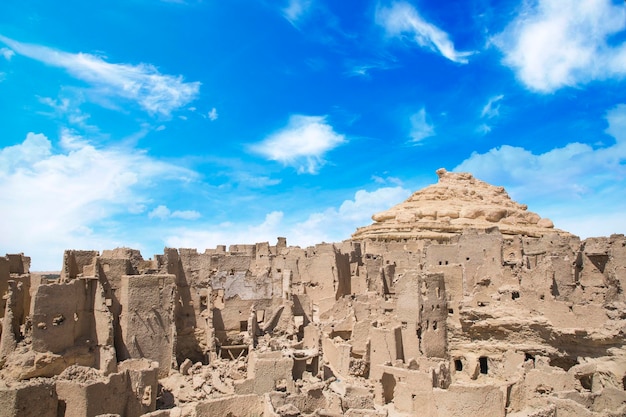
(324, 275)
(147, 319)
(235, 406)
(5, 276)
(63, 316)
(433, 313)
(75, 261)
(85, 395)
(474, 324)
(29, 399)
(13, 318)
(408, 313)
(142, 388)
(15, 267)
(267, 372)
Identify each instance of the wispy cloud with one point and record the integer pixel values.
(365, 69)
(156, 93)
(552, 44)
(338, 223)
(332, 224)
(163, 213)
(69, 110)
(296, 10)
(213, 114)
(402, 19)
(57, 199)
(248, 180)
(7, 53)
(483, 128)
(420, 127)
(490, 111)
(492, 108)
(586, 179)
(301, 144)
(360, 70)
(386, 180)
(210, 235)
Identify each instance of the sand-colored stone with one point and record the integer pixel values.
(458, 302)
(457, 202)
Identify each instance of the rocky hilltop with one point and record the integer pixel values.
(457, 302)
(458, 201)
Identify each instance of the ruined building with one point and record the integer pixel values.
(457, 302)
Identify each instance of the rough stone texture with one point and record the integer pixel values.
(147, 322)
(458, 201)
(457, 302)
(30, 399)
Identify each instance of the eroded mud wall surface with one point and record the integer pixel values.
(477, 324)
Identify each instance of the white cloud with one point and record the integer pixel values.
(553, 44)
(58, 199)
(7, 53)
(420, 127)
(330, 225)
(296, 10)
(213, 114)
(492, 108)
(163, 213)
(253, 181)
(336, 224)
(364, 70)
(483, 128)
(186, 214)
(571, 182)
(401, 19)
(209, 236)
(68, 109)
(136, 208)
(301, 144)
(386, 180)
(156, 93)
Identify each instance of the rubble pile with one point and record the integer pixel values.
(457, 302)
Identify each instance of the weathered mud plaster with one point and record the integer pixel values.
(457, 302)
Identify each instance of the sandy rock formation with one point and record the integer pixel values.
(457, 202)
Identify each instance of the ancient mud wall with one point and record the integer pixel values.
(477, 324)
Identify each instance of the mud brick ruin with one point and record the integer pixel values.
(457, 302)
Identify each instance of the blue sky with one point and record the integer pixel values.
(195, 123)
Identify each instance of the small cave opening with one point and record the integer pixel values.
(586, 381)
(565, 363)
(458, 365)
(529, 357)
(484, 365)
(514, 295)
(389, 385)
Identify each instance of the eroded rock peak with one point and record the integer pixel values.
(458, 201)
